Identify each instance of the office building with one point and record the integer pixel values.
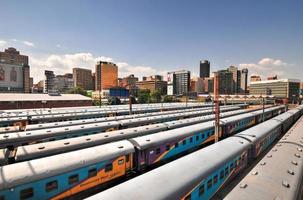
(106, 75)
(197, 85)
(153, 83)
(49, 82)
(63, 83)
(282, 88)
(226, 82)
(209, 85)
(178, 82)
(204, 69)
(255, 78)
(244, 82)
(83, 78)
(239, 80)
(14, 71)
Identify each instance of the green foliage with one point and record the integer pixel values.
(155, 96)
(143, 96)
(168, 98)
(114, 101)
(77, 90)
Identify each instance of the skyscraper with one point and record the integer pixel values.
(83, 78)
(178, 82)
(244, 80)
(106, 75)
(204, 69)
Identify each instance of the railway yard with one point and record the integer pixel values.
(156, 151)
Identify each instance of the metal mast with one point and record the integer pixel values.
(217, 106)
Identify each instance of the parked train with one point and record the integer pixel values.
(279, 175)
(67, 174)
(11, 140)
(33, 151)
(23, 119)
(201, 174)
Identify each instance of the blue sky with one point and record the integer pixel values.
(156, 36)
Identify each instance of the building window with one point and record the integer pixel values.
(201, 190)
(92, 173)
(27, 193)
(209, 184)
(50, 186)
(108, 167)
(73, 179)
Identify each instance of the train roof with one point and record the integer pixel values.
(34, 170)
(183, 174)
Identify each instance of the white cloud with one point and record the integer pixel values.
(267, 67)
(27, 43)
(2, 43)
(62, 64)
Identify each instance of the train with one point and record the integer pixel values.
(201, 174)
(34, 118)
(33, 151)
(12, 140)
(279, 175)
(68, 174)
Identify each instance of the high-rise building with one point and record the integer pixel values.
(14, 71)
(63, 83)
(197, 85)
(244, 81)
(49, 82)
(226, 85)
(83, 78)
(178, 82)
(209, 85)
(106, 75)
(204, 69)
(255, 78)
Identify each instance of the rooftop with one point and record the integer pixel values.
(41, 97)
(274, 81)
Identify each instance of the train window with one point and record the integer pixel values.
(208, 134)
(176, 144)
(167, 147)
(215, 179)
(50, 186)
(184, 142)
(188, 197)
(120, 162)
(27, 193)
(226, 171)
(231, 166)
(157, 150)
(209, 183)
(201, 190)
(73, 179)
(197, 137)
(108, 167)
(191, 139)
(202, 135)
(222, 174)
(236, 164)
(127, 158)
(92, 173)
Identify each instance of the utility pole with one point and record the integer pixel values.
(263, 107)
(130, 105)
(100, 99)
(217, 106)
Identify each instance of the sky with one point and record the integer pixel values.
(147, 37)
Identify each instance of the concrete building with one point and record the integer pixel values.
(49, 81)
(272, 77)
(83, 78)
(239, 80)
(63, 83)
(129, 83)
(153, 83)
(178, 82)
(209, 85)
(226, 82)
(204, 69)
(29, 101)
(14, 71)
(106, 75)
(282, 88)
(255, 78)
(244, 82)
(197, 85)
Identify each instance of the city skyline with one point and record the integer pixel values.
(145, 38)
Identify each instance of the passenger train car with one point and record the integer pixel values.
(77, 171)
(201, 174)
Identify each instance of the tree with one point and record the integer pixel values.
(114, 101)
(168, 98)
(143, 96)
(77, 90)
(155, 96)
